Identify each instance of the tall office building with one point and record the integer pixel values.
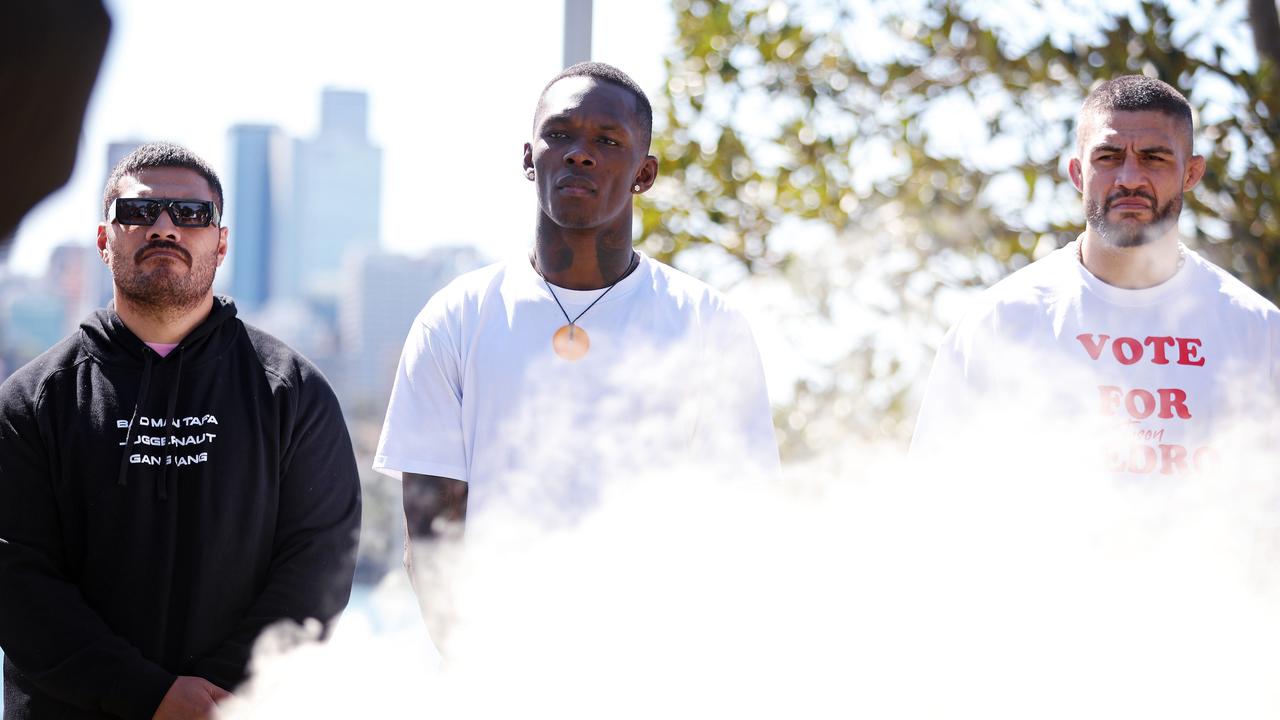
(337, 190)
(257, 210)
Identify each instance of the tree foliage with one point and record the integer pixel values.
(879, 157)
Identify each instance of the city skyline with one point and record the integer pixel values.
(451, 115)
(307, 264)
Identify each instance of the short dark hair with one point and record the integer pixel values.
(159, 155)
(1138, 93)
(610, 74)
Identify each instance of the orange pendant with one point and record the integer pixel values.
(570, 342)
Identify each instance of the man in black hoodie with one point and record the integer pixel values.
(172, 481)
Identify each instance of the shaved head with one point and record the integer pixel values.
(610, 74)
(1135, 93)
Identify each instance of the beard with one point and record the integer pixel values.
(1130, 232)
(165, 289)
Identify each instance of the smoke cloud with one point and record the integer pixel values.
(864, 584)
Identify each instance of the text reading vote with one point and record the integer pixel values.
(1162, 349)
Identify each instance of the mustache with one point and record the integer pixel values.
(1128, 194)
(162, 245)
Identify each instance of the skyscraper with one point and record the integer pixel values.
(337, 197)
(256, 210)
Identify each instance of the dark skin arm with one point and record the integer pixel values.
(435, 510)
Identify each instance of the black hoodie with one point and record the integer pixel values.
(157, 513)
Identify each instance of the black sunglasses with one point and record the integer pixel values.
(145, 211)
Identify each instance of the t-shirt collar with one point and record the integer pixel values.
(1125, 296)
(581, 298)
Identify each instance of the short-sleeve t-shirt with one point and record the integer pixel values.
(1160, 371)
(672, 380)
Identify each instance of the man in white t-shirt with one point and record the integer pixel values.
(524, 387)
(1125, 339)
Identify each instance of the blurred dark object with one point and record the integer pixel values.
(50, 52)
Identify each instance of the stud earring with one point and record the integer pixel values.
(636, 188)
(529, 173)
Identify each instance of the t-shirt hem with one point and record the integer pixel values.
(395, 467)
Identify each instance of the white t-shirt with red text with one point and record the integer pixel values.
(1151, 378)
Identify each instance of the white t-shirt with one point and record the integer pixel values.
(1159, 372)
(672, 380)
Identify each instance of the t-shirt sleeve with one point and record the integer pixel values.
(1273, 328)
(947, 397)
(422, 432)
(735, 432)
(1265, 400)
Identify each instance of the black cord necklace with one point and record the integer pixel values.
(570, 341)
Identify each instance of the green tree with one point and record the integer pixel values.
(878, 158)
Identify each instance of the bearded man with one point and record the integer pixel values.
(172, 481)
(1125, 328)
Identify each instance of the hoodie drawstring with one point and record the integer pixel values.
(128, 433)
(162, 483)
(106, 338)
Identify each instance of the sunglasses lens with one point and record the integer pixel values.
(192, 213)
(184, 213)
(137, 211)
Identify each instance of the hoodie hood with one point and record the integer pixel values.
(106, 338)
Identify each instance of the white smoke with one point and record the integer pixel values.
(862, 585)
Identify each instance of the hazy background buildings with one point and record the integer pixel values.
(305, 260)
